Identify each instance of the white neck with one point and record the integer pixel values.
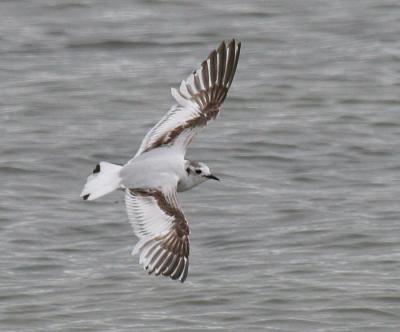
(188, 181)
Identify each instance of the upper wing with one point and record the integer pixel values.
(199, 98)
(162, 229)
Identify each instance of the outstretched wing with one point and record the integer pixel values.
(199, 99)
(162, 230)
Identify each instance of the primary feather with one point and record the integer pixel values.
(199, 99)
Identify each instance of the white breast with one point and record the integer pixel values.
(189, 181)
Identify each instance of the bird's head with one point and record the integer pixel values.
(196, 173)
(200, 171)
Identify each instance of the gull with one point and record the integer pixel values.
(152, 178)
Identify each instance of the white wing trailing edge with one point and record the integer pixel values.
(199, 98)
(162, 230)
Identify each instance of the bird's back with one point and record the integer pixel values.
(153, 169)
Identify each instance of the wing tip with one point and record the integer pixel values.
(209, 83)
(157, 261)
(222, 46)
(227, 44)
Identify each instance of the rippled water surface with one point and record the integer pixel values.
(302, 234)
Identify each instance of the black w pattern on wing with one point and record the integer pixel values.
(163, 231)
(199, 98)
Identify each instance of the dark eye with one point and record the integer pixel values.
(188, 170)
(198, 171)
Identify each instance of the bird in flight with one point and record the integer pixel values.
(152, 178)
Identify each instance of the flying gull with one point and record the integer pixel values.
(152, 178)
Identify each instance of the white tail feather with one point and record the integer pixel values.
(105, 179)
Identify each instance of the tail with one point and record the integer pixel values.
(105, 179)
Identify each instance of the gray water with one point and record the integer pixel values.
(302, 234)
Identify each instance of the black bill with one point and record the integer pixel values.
(212, 177)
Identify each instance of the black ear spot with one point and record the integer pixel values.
(86, 197)
(188, 170)
(96, 169)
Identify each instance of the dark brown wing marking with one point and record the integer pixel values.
(167, 253)
(204, 91)
(169, 207)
